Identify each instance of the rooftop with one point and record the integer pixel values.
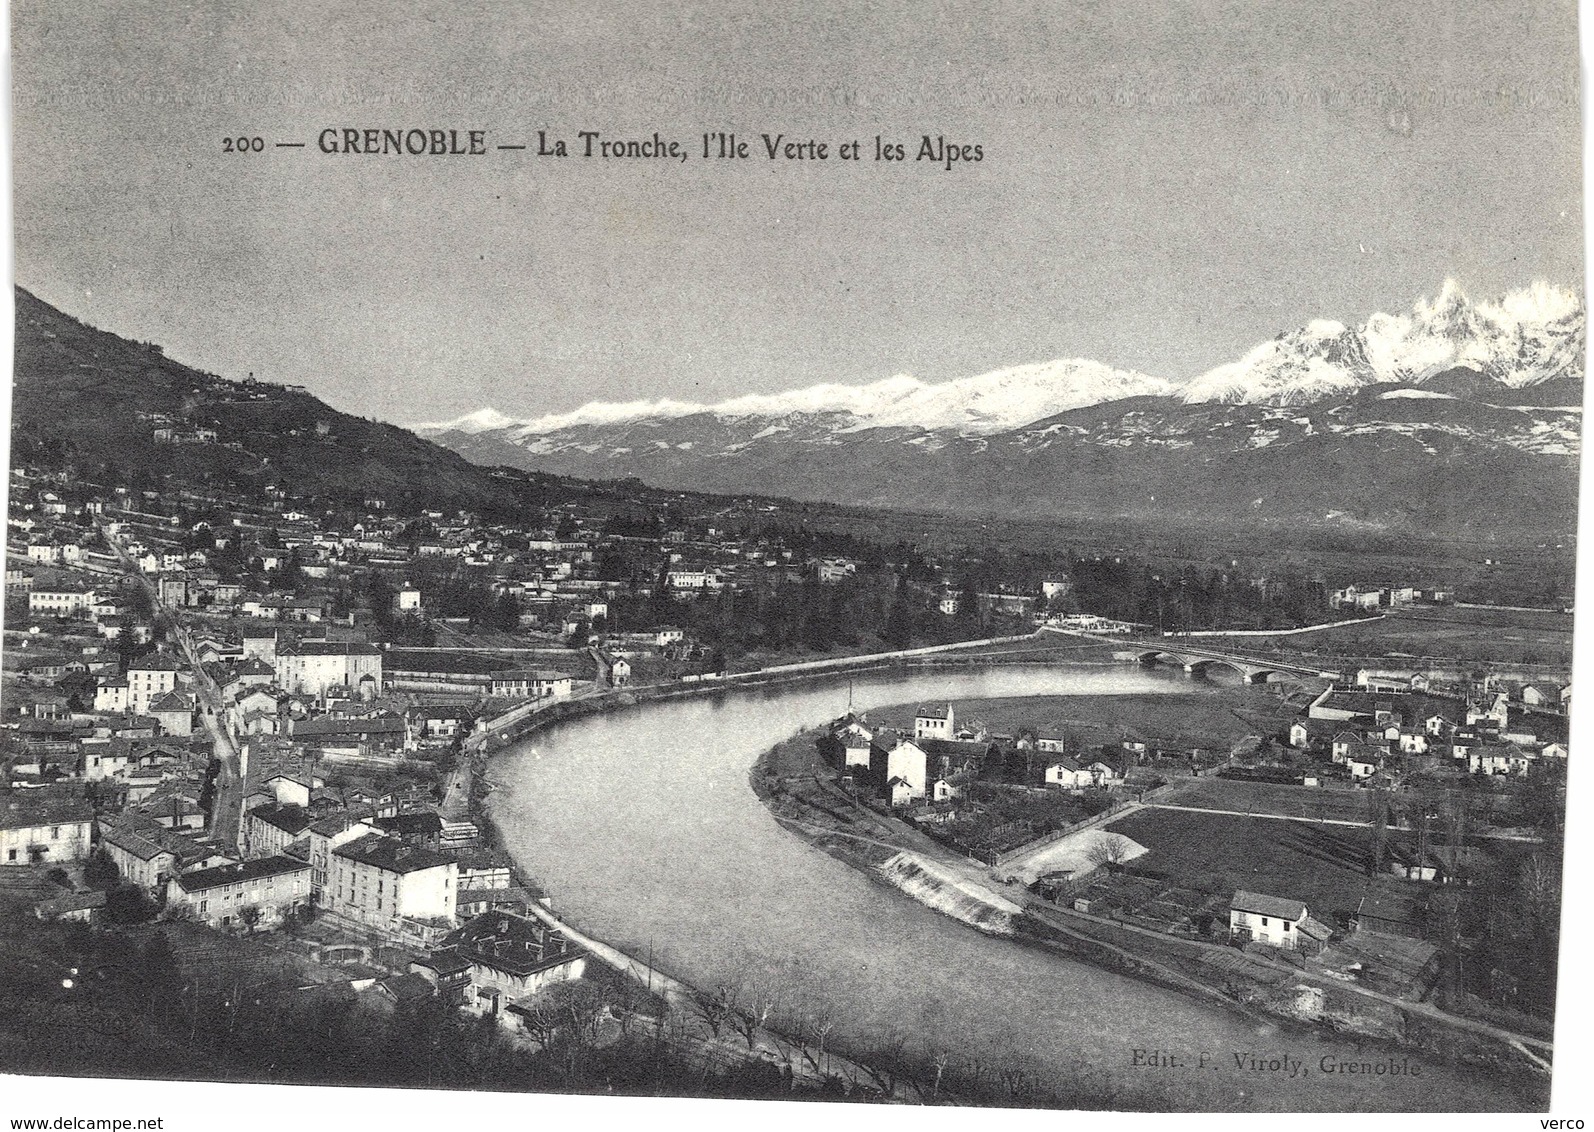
(21, 812)
(257, 869)
(1262, 905)
(389, 854)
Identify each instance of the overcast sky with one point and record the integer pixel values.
(1163, 185)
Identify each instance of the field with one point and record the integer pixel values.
(1313, 802)
(1205, 718)
(1519, 573)
(1444, 633)
(1326, 866)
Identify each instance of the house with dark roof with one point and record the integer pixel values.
(269, 830)
(385, 731)
(273, 886)
(511, 959)
(423, 830)
(378, 881)
(50, 830)
(138, 859)
(400, 992)
(175, 713)
(447, 971)
(80, 906)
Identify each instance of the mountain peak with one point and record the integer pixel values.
(1529, 336)
(482, 420)
(971, 406)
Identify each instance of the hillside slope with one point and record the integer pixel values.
(94, 400)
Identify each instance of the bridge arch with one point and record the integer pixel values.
(1163, 656)
(1204, 663)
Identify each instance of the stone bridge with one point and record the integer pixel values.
(1253, 670)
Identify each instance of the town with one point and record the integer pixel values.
(249, 702)
(255, 725)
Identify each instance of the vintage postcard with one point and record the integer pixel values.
(993, 555)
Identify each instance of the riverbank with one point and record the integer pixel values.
(1038, 649)
(794, 784)
(644, 828)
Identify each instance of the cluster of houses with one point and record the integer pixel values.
(1377, 733)
(1366, 598)
(370, 871)
(935, 764)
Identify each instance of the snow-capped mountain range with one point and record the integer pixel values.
(1531, 336)
(1444, 391)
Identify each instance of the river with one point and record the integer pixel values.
(643, 826)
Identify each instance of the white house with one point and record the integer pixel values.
(1361, 766)
(935, 722)
(311, 667)
(60, 601)
(855, 750)
(532, 684)
(1069, 775)
(378, 881)
(326, 835)
(1413, 743)
(111, 695)
(901, 765)
(148, 680)
(44, 832)
(1274, 920)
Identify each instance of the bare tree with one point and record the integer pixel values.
(756, 1000)
(1108, 851)
(940, 1059)
(714, 1008)
(539, 1019)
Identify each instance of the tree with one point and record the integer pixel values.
(1108, 851)
(249, 916)
(714, 1008)
(506, 613)
(99, 871)
(899, 622)
(128, 904)
(1378, 839)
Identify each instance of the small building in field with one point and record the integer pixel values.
(1068, 774)
(855, 751)
(1275, 920)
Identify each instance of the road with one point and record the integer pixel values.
(226, 811)
(1057, 917)
(1496, 835)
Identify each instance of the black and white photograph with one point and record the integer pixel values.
(579, 562)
